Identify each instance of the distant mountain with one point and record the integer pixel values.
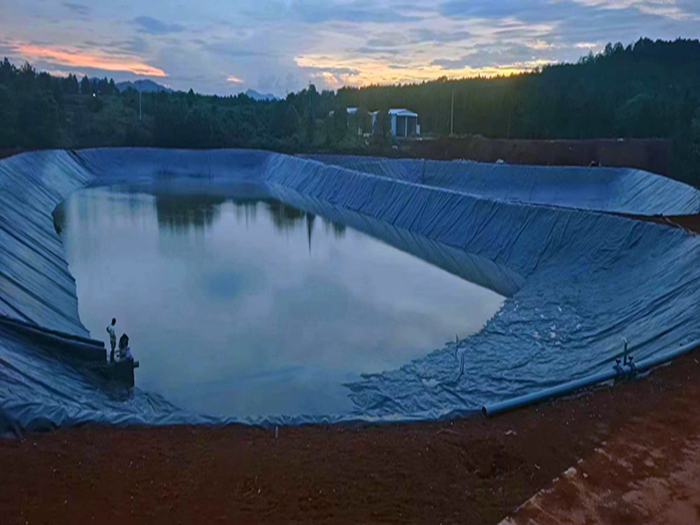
(260, 96)
(147, 86)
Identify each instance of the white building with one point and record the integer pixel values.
(404, 123)
(351, 113)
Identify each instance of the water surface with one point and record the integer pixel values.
(248, 307)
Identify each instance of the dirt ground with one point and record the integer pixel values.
(655, 155)
(649, 472)
(471, 470)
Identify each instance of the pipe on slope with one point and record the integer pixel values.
(617, 372)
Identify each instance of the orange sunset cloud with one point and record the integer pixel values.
(91, 59)
(364, 72)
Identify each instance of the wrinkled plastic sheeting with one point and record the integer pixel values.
(35, 284)
(618, 190)
(470, 267)
(40, 392)
(149, 165)
(590, 279)
(576, 282)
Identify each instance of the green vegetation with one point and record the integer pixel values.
(647, 90)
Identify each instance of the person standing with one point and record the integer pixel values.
(112, 339)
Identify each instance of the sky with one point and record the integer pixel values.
(279, 46)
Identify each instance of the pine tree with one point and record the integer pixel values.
(85, 86)
(71, 85)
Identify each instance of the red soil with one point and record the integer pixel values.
(465, 471)
(649, 472)
(653, 155)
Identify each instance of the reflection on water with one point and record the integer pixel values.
(239, 306)
(179, 212)
(196, 211)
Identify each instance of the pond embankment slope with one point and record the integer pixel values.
(588, 276)
(577, 275)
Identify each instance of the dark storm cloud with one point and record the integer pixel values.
(153, 26)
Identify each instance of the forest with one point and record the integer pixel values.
(649, 89)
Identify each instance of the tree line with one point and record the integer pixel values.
(649, 89)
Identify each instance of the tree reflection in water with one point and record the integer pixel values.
(179, 213)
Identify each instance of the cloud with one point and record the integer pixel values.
(321, 11)
(233, 49)
(365, 50)
(94, 59)
(364, 71)
(416, 36)
(79, 10)
(385, 40)
(359, 11)
(328, 79)
(133, 46)
(663, 8)
(233, 80)
(153, 26)
(566, 10)
(357, 42)
(440, 37)
(589, 45)
(280, 84)
(493, 10)
(520, 56)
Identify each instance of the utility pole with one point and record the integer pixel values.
(139, 98)
(452, 114)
